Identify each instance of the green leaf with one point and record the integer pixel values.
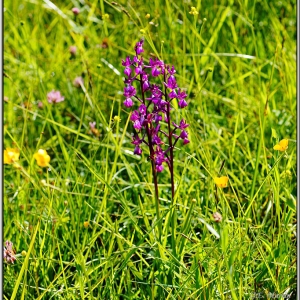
(25, 263)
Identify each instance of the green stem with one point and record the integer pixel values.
(154, 173)
(171, 167)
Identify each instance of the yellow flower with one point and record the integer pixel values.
(23, 253)
(286, 174)
(117, 119)
(193, 11)
(221, 181)
(147, 16)
(282, 145)
(42, 158)
(11, 155)
(105, 17)
(86, 224)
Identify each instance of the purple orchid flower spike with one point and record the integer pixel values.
(151, 89)
(154, 106)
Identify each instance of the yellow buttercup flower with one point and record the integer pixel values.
(11, 155)
(42, 158)
(282, 145)
(193, 11)
(86, 224)
(117, 119)
(221, 181)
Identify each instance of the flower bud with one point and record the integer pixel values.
(217, 217)
(75, 11)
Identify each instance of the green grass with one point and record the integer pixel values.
(239, 70)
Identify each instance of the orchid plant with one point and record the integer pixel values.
(157, 88)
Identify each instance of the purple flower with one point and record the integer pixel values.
(171, 84)
(154, 106)
(75, 11)
(183, 134)
(139, 47)
(182, 125)
(181, 96)
(138, 70)
(146, 86)
(137, 125)
(137, 150)
(156, 140)
(78, 81)
(173, 94)
(156, 62)
(136, 141)
(156, 95)
(129, 91)
(134, 116)
(143, 121)
(159, 156)
(159, 168)
(157, 67)
(136, 60)
(182, 103)
(129, 80)
(155, 71)
(143, 109)
(128, 102)
(157, 118)
(54, 97)
(171, 71)
(126, 62)
(127, 71)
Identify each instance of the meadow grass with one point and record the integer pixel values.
(88, 222)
